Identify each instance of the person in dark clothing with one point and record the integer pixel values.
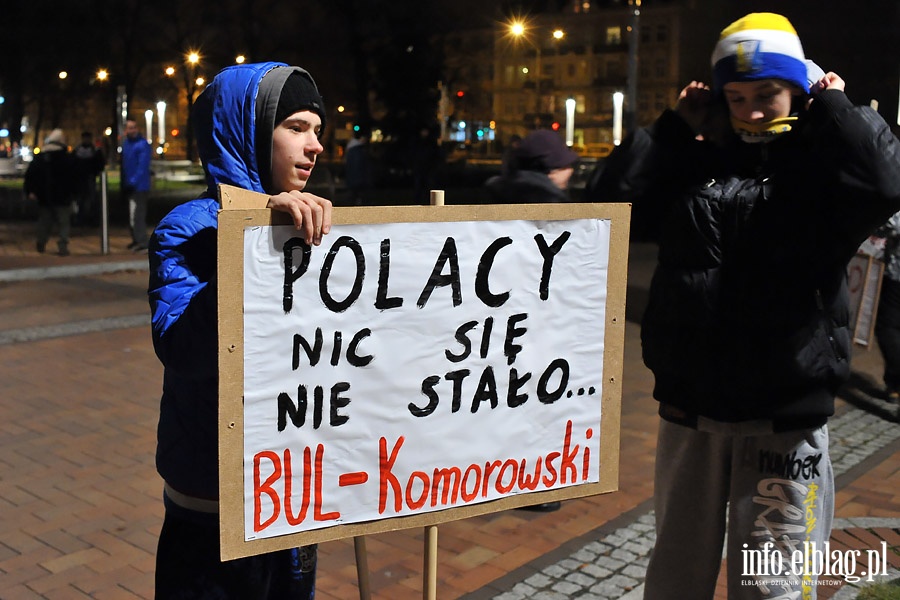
(357, 167)
(758, 192)
(258, 127)
(49, 180)
(887, 322)
(89, 162)
(538, 170)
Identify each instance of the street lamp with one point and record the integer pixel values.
(517, 30)
(161, 126)
(618, 99)
(148, 118)
(570, 121)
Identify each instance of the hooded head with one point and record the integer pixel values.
(236, 114)
(55, 137)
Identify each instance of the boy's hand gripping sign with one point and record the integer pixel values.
(421, 365)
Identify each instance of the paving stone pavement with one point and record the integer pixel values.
(615, 565)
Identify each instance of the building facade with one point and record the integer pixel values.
(519, 75)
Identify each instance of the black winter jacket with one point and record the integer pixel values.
(748, 312)
(51, 176)
(524, 187)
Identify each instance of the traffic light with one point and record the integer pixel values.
(460, 93)
(555, 126)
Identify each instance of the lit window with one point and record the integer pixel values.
(613, 36)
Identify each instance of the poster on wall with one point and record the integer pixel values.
(422, 364)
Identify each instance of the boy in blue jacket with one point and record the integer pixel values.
(258, 128)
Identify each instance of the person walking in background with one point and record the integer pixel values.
(357, 167)
(538, 169)
(136, 155)
(759, 192)
(89, 163)
(49, 180)
(887, 322)
(257, 127)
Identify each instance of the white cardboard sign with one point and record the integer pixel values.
(403, 368)
(424, 364)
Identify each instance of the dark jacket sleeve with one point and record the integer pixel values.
(857, 147)
(645, 169)
(182, 291)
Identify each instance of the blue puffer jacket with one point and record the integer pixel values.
(182, 286)
(136, 157)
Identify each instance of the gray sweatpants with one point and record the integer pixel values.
(778, 490)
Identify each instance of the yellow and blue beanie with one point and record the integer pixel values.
(759, 46)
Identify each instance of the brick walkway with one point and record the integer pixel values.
(80, 501)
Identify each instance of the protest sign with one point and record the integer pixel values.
(864, 274)
(424, 364)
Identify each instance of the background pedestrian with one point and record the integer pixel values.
(136, 156)
(89, 163)
(887, 322)
(49, 181)
(538, 169)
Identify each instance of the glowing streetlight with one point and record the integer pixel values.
(161, 124)
(193, 57)
(240, 59)
(618, 99)
(102, 74)
(517, 30)
(63, 74)
(570, 121)
(148, 118)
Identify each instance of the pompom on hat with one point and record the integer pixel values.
(759, 46)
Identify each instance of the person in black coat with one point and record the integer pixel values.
(50, 181)
(758, 190)
(538, 169)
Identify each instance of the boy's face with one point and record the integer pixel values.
(759, 101)
(295, 145)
